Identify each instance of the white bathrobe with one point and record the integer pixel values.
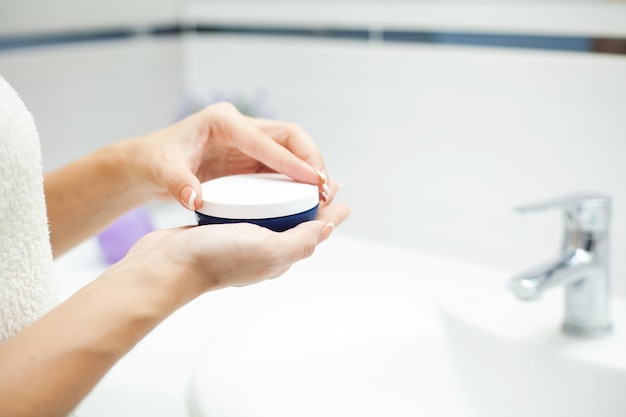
(27, 286)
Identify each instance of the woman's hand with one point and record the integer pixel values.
(197, 259)
(75, 344)
(85, 196)
(220, 141)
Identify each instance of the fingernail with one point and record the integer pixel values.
(322, 175)
(324, 192)
(191, 201)
(327, 230)
(323, 186)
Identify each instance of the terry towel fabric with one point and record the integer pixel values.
(27, 285)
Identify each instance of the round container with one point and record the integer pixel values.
(274, 201)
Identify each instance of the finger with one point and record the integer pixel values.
(328, 191)
(185, 187)
(302, 240)
(293, 137)
(335, 213)
(257, 144)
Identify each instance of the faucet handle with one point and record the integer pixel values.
(568, 202)
(587, 212)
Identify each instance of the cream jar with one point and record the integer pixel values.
(274, 201)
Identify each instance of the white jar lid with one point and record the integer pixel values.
(256, 196)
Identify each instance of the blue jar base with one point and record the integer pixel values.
(277, 224)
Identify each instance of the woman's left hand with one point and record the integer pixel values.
(218, 141)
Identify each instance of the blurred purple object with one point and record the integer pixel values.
(121, 235)
(254, 105)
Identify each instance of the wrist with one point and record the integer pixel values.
(144, 295)
(165, 282)
(86, 195)
(123, 160)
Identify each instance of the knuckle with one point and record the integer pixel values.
(222, 108)
(309, 245)
(294, 129)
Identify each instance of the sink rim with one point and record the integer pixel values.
(536, 324)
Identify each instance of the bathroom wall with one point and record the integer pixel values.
(85, 95)
(435, 144)
(87, 73)
(19, 17)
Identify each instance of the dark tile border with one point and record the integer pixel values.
(544, 42)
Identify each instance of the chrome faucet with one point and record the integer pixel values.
(583, 267)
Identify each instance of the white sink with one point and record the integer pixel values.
(353, 332)
(513, 360)
(332, 356)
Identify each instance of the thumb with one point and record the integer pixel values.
(184, 186)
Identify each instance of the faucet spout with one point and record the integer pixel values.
(571, 267)
(583, 267)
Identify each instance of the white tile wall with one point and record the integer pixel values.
(86, 95)
(435, 145)
(572, 17)
(18, 17)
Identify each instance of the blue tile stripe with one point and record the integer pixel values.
(28, 41)
(559, 43)
(546, 42)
